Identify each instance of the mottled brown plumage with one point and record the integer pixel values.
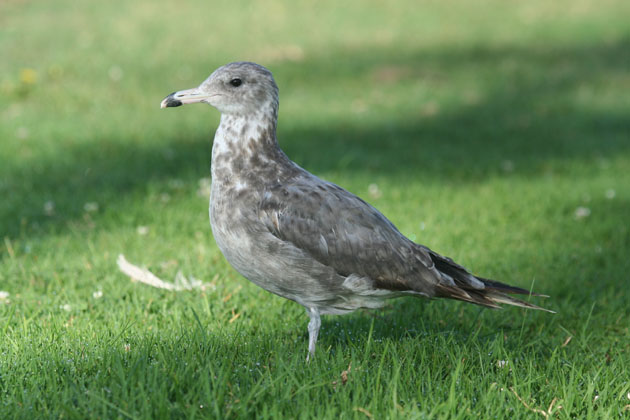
(301, 237)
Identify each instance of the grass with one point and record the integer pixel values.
(490, 131)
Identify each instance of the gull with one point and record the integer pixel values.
(303, 238)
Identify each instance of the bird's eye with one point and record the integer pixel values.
(236, 82)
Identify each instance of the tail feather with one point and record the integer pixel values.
(502, 287)
(459, 284)
(453, 292)
(489, 297)
(498, 297)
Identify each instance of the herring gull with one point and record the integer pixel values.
(301, 237)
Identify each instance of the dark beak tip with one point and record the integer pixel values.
(170, 101)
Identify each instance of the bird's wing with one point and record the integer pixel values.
(344, 232)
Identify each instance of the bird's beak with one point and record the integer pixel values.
(188, 96)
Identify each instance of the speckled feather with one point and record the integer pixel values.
(299, 236)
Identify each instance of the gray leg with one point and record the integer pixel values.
(313, 331)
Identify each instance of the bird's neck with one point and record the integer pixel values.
(244, 144)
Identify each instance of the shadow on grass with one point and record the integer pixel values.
(525, 115)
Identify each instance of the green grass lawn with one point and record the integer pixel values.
(497, 133)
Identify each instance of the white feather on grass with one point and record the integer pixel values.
(145, 276)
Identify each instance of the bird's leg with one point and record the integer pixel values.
(313, 331)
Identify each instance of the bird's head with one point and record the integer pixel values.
(236, 88)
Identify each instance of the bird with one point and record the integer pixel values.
(301, 237)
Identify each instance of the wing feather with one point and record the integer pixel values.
(342, 231)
